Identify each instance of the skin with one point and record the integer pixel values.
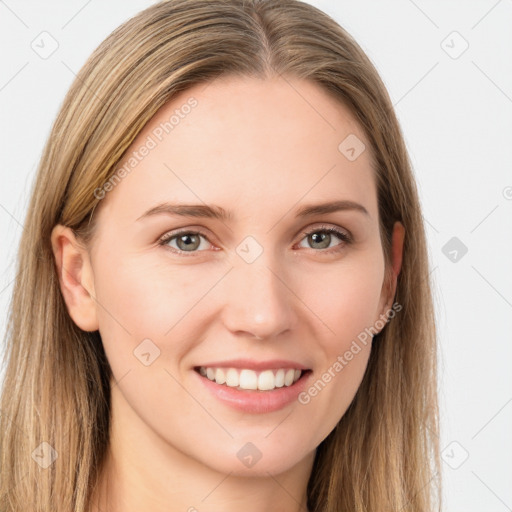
(260, 149)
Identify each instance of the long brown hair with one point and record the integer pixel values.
(383, 454)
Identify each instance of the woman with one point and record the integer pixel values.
(222, 298)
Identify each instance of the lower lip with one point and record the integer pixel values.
(254, 401)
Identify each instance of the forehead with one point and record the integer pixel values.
(248, 144)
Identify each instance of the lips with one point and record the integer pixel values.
(254, 387)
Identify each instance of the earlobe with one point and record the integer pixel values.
(75, 276)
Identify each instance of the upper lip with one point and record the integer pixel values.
(271, 364)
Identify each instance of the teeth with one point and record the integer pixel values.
(232, 378)
(220, 376)
(279, 380)
(249, 379)
(266, 380)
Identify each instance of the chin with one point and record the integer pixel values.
(254, 459)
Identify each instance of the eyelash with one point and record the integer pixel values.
(343, 236)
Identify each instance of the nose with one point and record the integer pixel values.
(258, 300)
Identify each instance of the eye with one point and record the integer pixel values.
(186, 241)
(191, 242)
(323, 236)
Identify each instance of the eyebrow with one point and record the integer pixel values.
(217, 212)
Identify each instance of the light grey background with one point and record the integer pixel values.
(455, 108)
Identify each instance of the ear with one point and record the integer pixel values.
(76, 277)
(389, 288)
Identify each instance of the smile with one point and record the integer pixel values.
(246, 379)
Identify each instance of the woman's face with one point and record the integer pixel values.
(248, 282)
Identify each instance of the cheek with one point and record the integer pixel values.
(345, 297)
(129, 299)
(348, 307)
(131, 292)
(140, 298)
